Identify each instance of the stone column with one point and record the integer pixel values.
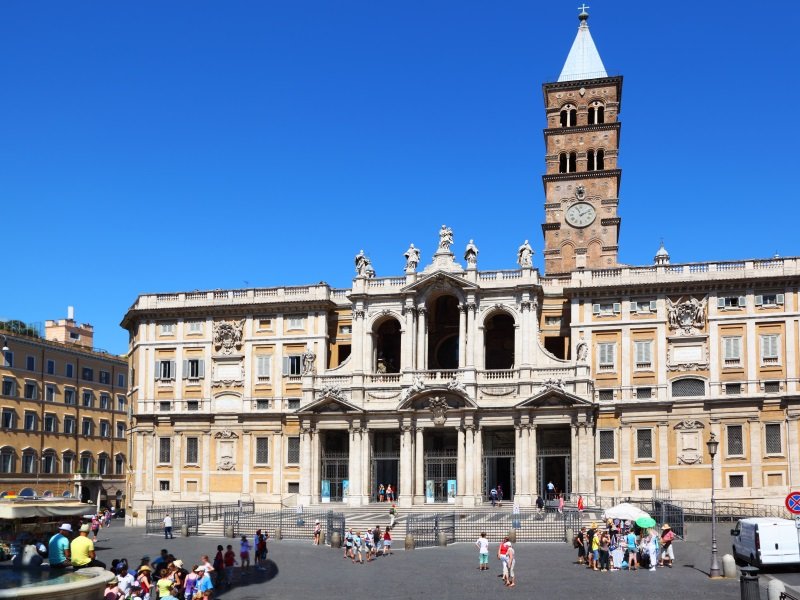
(663, 455)
(354, 465)
(357, 337)
(406, 491)
(419, 466)
(366, 466)
(305, 466)
(479, 491)
(469, 498)
(575, 456)
(407, 341)
(523, 465)
(470, 358)
(757, 478)
(518, 450)
(314, 467)
(462, 339)
(533, 459)
(461, 467)
(422, 327)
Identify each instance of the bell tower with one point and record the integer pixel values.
(581, 182)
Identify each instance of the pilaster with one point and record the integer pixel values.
(419, 466)
(406, 491)
(757, 478)
(460, 462)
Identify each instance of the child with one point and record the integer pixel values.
(387, 541)
(483, 552)
(244, 552)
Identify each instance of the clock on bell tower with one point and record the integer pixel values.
(581, 183)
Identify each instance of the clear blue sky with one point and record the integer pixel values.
(164, 146)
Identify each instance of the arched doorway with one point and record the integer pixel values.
(387, 347)
(499, 341)
(443, 334)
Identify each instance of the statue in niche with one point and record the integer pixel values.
(445, 238)
(308, 361)
(525, 255)
(412, 258)
(582, 351)
(471, 255)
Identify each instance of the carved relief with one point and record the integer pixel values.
(228, 336)
(498, 391)
(308, 361)
(438, 406)
(686, 316)
(334, 392)
(226, 434)
(690, 441)
(414, 388)
(455, 385)
(383, 395)
(551, 384)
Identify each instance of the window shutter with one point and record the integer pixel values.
(721, 302)
(742, 301)
(778, 298)
(201, 368)
(653, 305)
(286, 365)
(759, 300)
(596, 309)
(617, 307)
(157, 370)
(634, 306)
(185, 373)
(172, 370)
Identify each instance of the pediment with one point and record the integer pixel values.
(439, 279)
(328, 404)
(553, 396)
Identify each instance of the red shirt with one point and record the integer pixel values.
(387, 536)
(230, 558)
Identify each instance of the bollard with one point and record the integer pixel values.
(442, 539)
(336, 540)
(278, 533)
(728, 566)
(409, 542)
(229, 531)
(322, 538)
(184, 531)
(512, 536)
(775, 589)
(570, 533)
(748, 584)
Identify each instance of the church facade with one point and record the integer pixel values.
(446, 381)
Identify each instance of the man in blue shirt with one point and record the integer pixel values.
(204, 584)
(58, 548)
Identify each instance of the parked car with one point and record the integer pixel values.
(765, 541)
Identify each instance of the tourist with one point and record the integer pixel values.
(95, 527)
(580, 544)
(261, 549)
(377, 539)
(632, 557)
(244, 552)
(144, 579)
(58, 548)
(580, 504)
(381, 493)
(493, 496)
(483, 552)
(82, 552)
(125, 581)
(357, 541)
(206, 564)
(164, 583)
(652, 549)
(511, 557)
(539, 504)
(667, 553)
(162, 560)
(499, 494)
(190, 583)
(561, 503)
(604, 546)
(112, 591)
(167, 527)
(392, 514)
(501, 555)
(219, 566)
(348, 543)
(595, 544)
(551, 490)
(204, 585)
(317, 532)
(389, 493)
(387, 542)
(230, 562)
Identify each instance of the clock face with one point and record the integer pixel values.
(580, 214)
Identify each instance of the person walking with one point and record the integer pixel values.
(493, 496)
(389, 493)
(652, 549)
(381, 493)
(667, 553)
(230, 562)
(499, 495)
(167, 527)
(633, 550)
(387, 542)
(392, 514)
(502, 549)
(95, 527)
(244, 552)
(348, 544)
(483, 552)
(580, 504)
(561, 503)
(317, 532)
(511, 559)
(58, 548)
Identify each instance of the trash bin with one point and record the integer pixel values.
(748, 584)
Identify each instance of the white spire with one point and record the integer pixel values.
(583, 61)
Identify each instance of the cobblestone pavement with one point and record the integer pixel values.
(543, 571)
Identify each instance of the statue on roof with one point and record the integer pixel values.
(363, 265)
(445, 238)
(525, 256)
(412, 259)
(471, 255)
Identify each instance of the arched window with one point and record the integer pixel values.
(600, 157)
(67, 462)
(597, 113)
(7, 456)
(119, 464)
(387, 347)
(573, 162)
(87, 462)
(567, 163)
(562, 162)
(49, 461)
(443, 337)
(569, 115)
(499, 341)
(688, 387)
(590, 160)
(102, 464)
(29, 461)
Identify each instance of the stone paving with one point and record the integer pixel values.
(544, 570)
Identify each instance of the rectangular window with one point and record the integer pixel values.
(9, 387)
(6, 462)
(8, 418)
(164, 450)
(167, 328)
(644, 354)
(104, 377)
(66, 463)
(735, 440)
(293, 487)
(87, 427)
(120, 403)
(69, 371)
(729, 302)
(51, 367)
(50, 423)
(644, 443)
(769, 300)
(644, 393)
(50, 393)
(194, 368)
(195, 326)
(69, 396)
(119, 466)
(346, 329)
(606, 309)
(105, 429)
(293, 403)
(262, 404)
(120, 429)
(105, 401)
(770, 349)
(30, 363)
(262, 451)
(30, 421)
(552, 321)
(265, 324)
(605, 355)
(263, 367)
(87, 374)
(102, 465)
(645, 483)
(733, 389)
(607, 446)
(88, 399)
(30, 390)
(644, 306)
(293, 450)
(49, 463)
(163, 485)
(192, 450)
(8, 357)
(165, 406)
(121, 380)
(292, 365)
(69, 425)
(295, 322)
(165, 370)
(28, 463)
(772, 387)
(605, 395)
(735, 481)
(732, 350)
(192, 405)
(772, 438)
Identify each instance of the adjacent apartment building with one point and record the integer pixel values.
(446, 380)
(64, 414)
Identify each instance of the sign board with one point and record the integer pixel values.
(326, 491)
(797, 521)
(451, 491)
(793, 503)
(429, 498)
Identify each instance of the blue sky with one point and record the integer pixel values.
(163, 146)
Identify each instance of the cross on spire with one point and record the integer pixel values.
(583, 7)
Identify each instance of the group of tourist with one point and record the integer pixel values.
(621, 545)
(386, 493)
(363, 548)
(506, 554)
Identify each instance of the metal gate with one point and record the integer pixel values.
(334, 469)
(375, 459)
(545, 454)
(490, 478)
(440, 466)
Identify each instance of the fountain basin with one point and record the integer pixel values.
(34, 584)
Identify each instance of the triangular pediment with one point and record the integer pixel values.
(329, 404)
(440, 279)
(553, 396)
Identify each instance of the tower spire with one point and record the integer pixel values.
(583, 60)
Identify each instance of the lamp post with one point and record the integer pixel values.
(713, 444)
(5, 343)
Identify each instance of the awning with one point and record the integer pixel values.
(29, 509)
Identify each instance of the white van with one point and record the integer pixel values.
(765, 541)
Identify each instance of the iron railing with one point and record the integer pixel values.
(425, 529)
(286, 524)
(787, 596)
(192, 515)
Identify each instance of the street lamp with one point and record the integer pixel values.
(5, 343)
(713, 444)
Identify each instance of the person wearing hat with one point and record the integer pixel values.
(667, 553)
(204, 585)
(144, 579)
(317, 532)
(58, 548)
(82, 550)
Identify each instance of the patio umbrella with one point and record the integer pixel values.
(624, 512)
(645, 522)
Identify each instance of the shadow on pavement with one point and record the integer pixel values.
(251, 576)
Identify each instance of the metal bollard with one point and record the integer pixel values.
(184, 531)
(278, 534)
(748, 584)
(512, 536)
(229, 531)
(322, 538)
(409, 542)
(336, 540)
(442, 539)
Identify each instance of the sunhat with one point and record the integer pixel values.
(178, 563)
(145, 568)
(66, 527)
(200, 568)
(85, 528)
(665, 526)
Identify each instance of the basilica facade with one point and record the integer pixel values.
(446, 380)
